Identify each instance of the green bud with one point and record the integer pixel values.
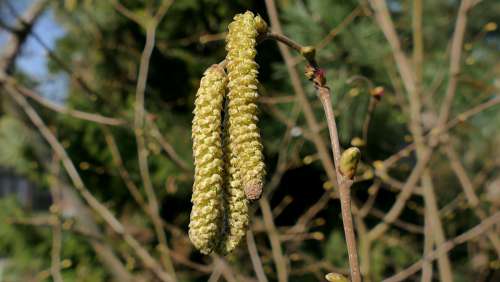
(308, 52)
(206, 214)
(349, 162)
(260, 25)
(335, 277)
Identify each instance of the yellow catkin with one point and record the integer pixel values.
(245, 166)
(235, 205)
(206, 214)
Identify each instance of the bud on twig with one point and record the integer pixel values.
(260, 25)
(308, 52)
(349, 162)
(377, 92)
(335, 277)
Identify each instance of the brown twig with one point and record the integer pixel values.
(344, 184)
(55, 191)
(470, 194)
(432, 211)
(373, 192)
(48, 221)
(409, 227)
(324, 96)
(254, 257)
(309, 115)
(460, 118)
(369, 114)
(21, 30)
(428, 245)
(104, 252)
(403, 196)
(279, 259)
(150, 27)
(117, 159)
(471, 234)
(97, 206)
(63, 109)
(166, 146)
(335, 31)
(455, 61)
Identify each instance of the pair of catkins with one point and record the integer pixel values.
(229, 166)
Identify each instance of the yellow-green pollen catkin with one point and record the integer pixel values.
(245, 166)
(244, 136)
(235, 205)
(206, 214)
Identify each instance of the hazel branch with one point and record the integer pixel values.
(317, 76)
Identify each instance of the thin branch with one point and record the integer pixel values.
(324, 96)
(139, 127)
(470, 194)
(309, 115)
(48, 221)
(471, 234)
(285, 40)
(62, 109)
(460, 118)
(409, 227)
(21, 30)
(97, 206)
(216, 273)
(254, 257)
(126, 12)
(166, 146)
(384, 20)
(344, 184)
(279, 259)
(369, 114)
(455, 60)
(117, 159)
(335, 31)
(402, 197)
(373, 192)
(428, 245)
(55, 191)
(432, 210)
(312, 123)
(225, 269)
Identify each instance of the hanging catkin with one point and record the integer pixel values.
(245, 167)
(205, 226)
(244, 136)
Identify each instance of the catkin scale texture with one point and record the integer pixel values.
(245, 166)
(206, 214)
(235, 205)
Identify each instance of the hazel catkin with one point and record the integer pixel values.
(228, 173)
(235, 204)
(206, 214)
(244, 136)
(245, 168)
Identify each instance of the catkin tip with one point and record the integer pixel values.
(253, 190)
